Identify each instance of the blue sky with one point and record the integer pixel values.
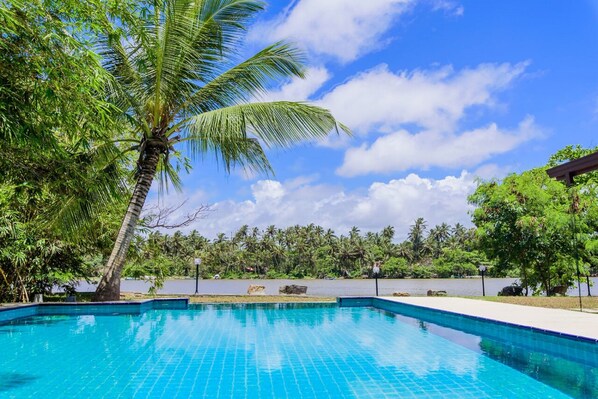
(437, 93)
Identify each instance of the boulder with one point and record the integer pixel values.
(293, 289)
(558, 290)
(400, 294)
(511, 290)
(256, 290)
(436, 293)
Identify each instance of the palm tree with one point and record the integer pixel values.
(175, 80)
(416, 239)
(438, 236)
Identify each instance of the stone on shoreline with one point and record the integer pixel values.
(511, 290)
(256, 290)
(400, 294)
(293, 289)
(436, 293)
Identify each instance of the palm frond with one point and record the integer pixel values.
(193, 41)
(226, 131)
(167, 175)
(246, 80)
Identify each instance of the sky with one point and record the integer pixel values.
(437, 93)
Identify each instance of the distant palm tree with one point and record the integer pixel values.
(416, 239)
(175, 79)
(438, 237)
(388, 233)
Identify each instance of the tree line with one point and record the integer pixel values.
(309, 252)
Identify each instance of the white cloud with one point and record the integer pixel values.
(344, 29)
(433, 99)
(492, 171)
(449, 6)
(397, 202)
(299, 89)
(402, 151)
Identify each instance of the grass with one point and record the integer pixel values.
(554, 302)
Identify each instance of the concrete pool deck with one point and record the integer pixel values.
(556, 320)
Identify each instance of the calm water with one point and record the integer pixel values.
(271, 352)
(465, 287)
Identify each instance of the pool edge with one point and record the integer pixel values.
(18, 311)
(371, 301)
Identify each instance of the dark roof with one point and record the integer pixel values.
(569, 170)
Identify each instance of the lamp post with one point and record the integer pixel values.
(482, 269)
(197, 262)
(376, 271)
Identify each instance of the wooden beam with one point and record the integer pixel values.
(569, 170)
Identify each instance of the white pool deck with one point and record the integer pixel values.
(556, 320)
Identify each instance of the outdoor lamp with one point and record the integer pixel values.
(376, 272)
(482, 269)
(197, 262)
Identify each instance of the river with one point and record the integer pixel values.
(356, 287)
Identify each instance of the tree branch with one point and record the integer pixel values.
(157, 217)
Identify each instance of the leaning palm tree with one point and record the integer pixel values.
(176, 80)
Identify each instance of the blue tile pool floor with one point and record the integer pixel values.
(269, 352)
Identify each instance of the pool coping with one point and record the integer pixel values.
(405, 302)
(19, 311)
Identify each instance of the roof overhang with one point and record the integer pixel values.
(567, 171)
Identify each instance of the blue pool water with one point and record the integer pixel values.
(273, 351)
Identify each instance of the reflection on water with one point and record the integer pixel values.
(9, 381)
(575, 379)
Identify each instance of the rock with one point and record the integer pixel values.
(400, 294)
(293, 289)
(256, 290)
(511, 290)
(558, 290)
(436, 293)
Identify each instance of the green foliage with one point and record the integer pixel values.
(57, 168)
(458, 263)
(396, 268)
(523, 223)
(535, 226)
(33, 258)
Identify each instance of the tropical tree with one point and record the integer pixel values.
(438, 237)
(175, 81)
(56, 126)
(416, 239)
(524, 222)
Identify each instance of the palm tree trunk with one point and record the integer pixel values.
(109, 287)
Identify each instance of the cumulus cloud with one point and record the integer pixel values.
(432, 99)
(402, 151)
(299, 89)
(343, 29)
(397, 202)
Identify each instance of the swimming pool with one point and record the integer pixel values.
(283, 351)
